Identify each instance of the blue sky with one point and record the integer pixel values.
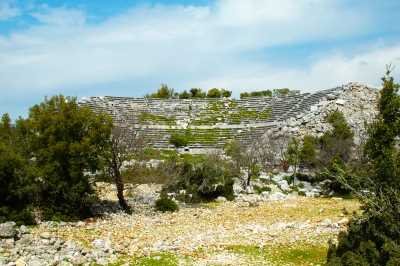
(127, 47)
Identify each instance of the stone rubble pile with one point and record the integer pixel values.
(19, 247)
(276, 188)
(357, 102)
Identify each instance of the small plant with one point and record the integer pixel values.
(166, 204)
(289, 179)
(304, 177)
(179, 140)
(260, 190)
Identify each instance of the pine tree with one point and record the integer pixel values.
(381, 147)
(373, 237)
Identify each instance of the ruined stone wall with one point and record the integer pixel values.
(243, 119)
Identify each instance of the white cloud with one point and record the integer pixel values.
(8, 10)
(327, 72)
(186, 46)
(60, 17)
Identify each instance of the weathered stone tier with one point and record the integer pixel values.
(214, 121)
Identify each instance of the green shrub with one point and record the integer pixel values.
(18, 186)
(264, 93)
(184, 95)
(67, 142)
(304, 177)
(165, 204)
(244, 95)
(197, 93)
(338, 142)
(289, 179)
(333, 155)
(162, 93)
(260, 190)
(205, 179)
(226, 93)
(302, 193)
(308, 153)
(179, 140)
(214, 93)
(281, 92)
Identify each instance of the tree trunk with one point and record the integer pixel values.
(120, 193)
(120, 189)
(249, 175)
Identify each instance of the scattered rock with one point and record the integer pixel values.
(102, 245)
(220, 199)
(20, 262)
(45, 235)
(343, 221)
(336, 198)
(340, 102)
(277, 196)
(23, 230)
(8, 230)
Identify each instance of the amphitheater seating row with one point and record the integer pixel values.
(127, 111)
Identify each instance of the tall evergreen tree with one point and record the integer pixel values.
(385, 132)
(373, 237)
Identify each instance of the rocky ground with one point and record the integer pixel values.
(253, 230)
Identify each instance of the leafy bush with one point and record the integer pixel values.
(17, 187)
(214, 93)
(184, 95)
(331, 153)
(292, 154)
(304, 177)
(308, 153)
(289, 179)
(66, 141)
(162, 93)
(281, 92)
(179, 140)
(226, 93)
(264, 93)
(165, 204)
(205, 179)
(197, 93)
(337, 142)
(261, 189)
